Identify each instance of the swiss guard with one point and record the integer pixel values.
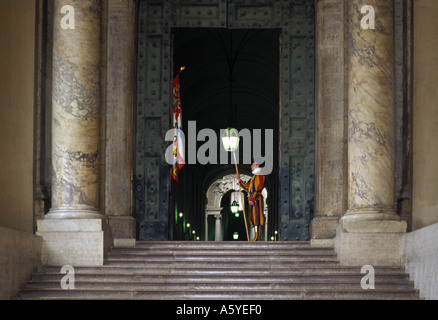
(254, 189)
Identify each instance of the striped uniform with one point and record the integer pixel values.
(254, 189)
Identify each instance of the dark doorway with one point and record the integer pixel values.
(205, 95)
(273, 88)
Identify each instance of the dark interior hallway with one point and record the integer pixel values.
(205, 93)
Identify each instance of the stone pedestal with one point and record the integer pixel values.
(370, 232)
(74, 231)
(370, 242)
(76, 242)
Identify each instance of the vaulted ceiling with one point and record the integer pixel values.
(207, 54)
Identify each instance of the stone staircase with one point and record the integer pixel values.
(220, 271)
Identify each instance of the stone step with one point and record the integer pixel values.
(202, 263)
(219, 257)
(218, 278)
(221, 252)
(218, 285)
(319, 294)
(213, 269)
(224, 244)
(220, 271)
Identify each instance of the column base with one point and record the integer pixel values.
(128, 242)
(361, 241)
(75, 242)
(123, 229)
(79, 212)
(323, 227)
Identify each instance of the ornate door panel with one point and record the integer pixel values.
(153, 112)
(297, 107)
(154, 81)
(295, 18)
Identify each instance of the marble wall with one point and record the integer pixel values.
(425, 121)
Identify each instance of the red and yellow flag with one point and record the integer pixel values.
(178, 141)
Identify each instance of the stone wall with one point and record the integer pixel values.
(420, 257)
(17, 60)
(20, 254)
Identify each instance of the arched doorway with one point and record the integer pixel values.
(217, 211)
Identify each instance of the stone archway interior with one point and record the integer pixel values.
(218, 189)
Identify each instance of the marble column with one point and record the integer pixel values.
(73, 230)
(370, 231)
(371, 113)
(330, 102)
(75, 113)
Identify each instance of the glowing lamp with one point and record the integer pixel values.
(235, 236)
(235, 207)
(230, 139)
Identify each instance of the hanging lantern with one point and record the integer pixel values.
(235, 207)
(236, 236)
(230, 139)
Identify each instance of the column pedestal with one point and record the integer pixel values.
(369, 242)
(76, 242)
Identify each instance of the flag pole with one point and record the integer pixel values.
(242, 199)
